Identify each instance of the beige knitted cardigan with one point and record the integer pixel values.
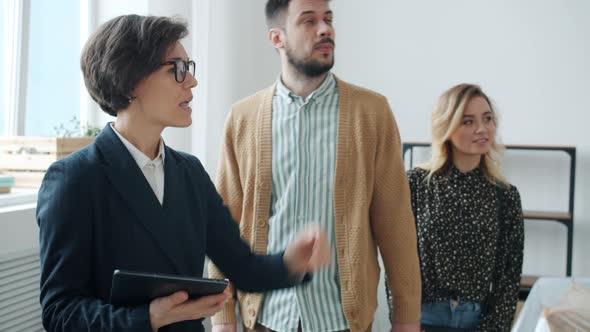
(371, 202)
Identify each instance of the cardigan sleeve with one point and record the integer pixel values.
(229, 187)
(414, 178)
(392, 220)
(498, 316)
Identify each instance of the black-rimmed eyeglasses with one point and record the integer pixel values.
(181, 67)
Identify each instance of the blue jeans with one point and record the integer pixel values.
(453, 313)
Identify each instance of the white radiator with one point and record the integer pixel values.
(20, 310)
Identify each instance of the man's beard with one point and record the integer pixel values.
(308, 67)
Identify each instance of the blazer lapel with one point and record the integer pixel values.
(177, 203)
(129, 181)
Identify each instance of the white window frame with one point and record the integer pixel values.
(15, 79)
(16, 35)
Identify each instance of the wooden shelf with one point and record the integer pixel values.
(542, 215)
(540, 147)
(513, 146)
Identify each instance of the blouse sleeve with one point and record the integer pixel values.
(415, 178)
(498, 316)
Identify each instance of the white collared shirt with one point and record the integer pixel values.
(153, 170)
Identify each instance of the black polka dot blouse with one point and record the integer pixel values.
(469, 240)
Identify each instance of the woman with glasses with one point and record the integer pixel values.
(130, 202)
(468, 220)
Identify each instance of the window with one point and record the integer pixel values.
(53, 70)
(2, 75)
(40, 85)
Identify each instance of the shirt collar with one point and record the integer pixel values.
(140, 158)
(327, 86)
(456, 173)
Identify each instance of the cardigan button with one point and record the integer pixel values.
(261, 223)
(264, 185)
(251, 312)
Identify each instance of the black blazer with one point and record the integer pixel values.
(97, 213)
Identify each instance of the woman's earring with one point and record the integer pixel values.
(131, 99)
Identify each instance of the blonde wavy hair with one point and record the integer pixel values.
(445, 119)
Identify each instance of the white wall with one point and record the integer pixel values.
(234, 60)
(19, 230)
(530, 56)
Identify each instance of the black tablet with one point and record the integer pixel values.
(131, 288)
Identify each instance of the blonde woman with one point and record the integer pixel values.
(468, 218)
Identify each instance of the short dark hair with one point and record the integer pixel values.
(275, 10)
(124, 51)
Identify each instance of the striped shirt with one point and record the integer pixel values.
(303, 166)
